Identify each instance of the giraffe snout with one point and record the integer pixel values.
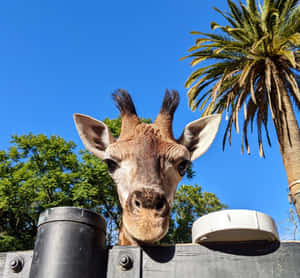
(148, 199)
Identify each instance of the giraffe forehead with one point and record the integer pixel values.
(147, 142)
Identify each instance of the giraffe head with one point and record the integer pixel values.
(146, 162)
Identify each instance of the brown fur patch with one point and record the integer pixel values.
(145, 227)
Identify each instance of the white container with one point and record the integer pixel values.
(234, 226)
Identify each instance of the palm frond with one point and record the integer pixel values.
(286, 7)
(251, 4)
(289, 55)
(228, 18)
(265, 121)
(277, 81)
(293, 85)
(252, 64)
(292, 23)
(251, 87)
(236, 13)
(268, 84)
(265, 10)
(249, 22)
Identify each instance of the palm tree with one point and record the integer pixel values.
(253, 64)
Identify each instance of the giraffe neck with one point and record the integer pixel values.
(124, 238)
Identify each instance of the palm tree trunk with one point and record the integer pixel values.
(288, 135)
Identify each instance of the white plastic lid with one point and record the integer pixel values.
(234, 226)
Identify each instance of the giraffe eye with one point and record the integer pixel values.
(111, 165)
(183, 166)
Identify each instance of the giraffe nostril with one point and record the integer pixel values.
(137, 204)
(159, 205)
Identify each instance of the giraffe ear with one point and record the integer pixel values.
(94, 134)
(199, 135)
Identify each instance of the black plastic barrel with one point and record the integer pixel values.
(70, 244)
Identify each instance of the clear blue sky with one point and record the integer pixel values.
(62, 57)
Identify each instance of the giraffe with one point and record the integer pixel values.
(146, 162)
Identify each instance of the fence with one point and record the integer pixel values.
(70, 244)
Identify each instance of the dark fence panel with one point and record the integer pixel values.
(187, 261)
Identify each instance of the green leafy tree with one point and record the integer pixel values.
(38, 172)
(35, 173)
(190, 203)
(253, 64)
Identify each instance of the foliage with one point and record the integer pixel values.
(36, 173)
(115, 125)
(190, 203)
(39, 172)
(252, 63)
